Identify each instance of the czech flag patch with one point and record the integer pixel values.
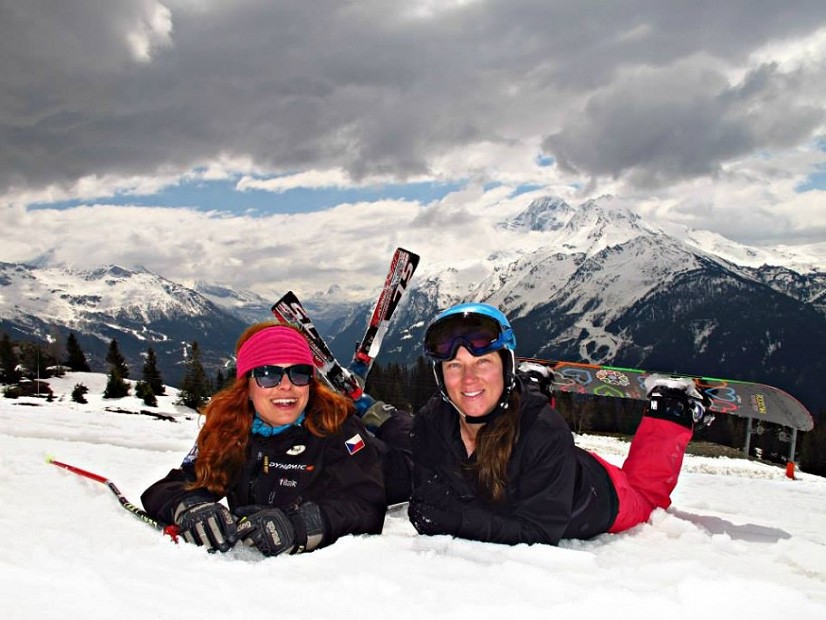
(354, 444)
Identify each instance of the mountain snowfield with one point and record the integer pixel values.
(740, 541)
(551, 227)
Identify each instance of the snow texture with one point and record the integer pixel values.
(740, 541)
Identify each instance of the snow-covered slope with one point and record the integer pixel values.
(740, 541)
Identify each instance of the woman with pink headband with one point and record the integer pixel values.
(286, 452)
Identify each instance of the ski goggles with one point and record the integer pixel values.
(478, 333)
(269, 376)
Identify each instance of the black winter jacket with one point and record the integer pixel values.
(555, 490)
(341, 473)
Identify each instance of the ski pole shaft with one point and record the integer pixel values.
(170, 530)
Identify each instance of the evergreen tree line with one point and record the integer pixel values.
(405, 387)
(410, 388)
(23, 365)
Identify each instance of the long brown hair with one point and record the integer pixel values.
(494, 446)
(222, 441)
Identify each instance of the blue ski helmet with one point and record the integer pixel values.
(481, 329)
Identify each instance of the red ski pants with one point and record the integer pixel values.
(648, 476)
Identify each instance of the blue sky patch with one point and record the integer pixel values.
(222, 196)
(815, 181)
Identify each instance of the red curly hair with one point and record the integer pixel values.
(222, 441)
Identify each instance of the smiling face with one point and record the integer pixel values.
(281, 404)
(474, 384)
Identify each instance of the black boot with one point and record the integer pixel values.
(677, 400)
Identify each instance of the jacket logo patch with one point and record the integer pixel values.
(354, 444)
(296, 450)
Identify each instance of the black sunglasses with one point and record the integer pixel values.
(269, 376)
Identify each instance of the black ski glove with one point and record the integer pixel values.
(435, 508)
(206, 523)
(431, 521)
(273, 531)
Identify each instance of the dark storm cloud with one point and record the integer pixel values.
(380, 87)
(669, 126)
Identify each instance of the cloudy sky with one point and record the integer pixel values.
(264, 143)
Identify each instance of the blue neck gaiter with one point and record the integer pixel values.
(259, 427)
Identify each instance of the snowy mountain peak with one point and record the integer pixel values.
(226, 296)
(604, 213)
(598, 224)
(542, 215)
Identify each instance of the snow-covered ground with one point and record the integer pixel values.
(740, 541)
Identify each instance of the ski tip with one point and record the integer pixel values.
(50, 458)
(411, 255)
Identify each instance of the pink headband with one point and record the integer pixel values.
(272, 346)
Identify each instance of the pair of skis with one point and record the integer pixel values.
(290, 310)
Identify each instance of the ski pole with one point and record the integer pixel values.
(170, 530)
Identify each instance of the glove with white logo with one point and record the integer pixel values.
(273, 531)
(206, 523)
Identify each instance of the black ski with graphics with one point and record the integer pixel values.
(402, 267)
(290, 310)
(740, 398)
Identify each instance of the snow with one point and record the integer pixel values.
(740, 541)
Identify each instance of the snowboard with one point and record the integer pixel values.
(741, 398)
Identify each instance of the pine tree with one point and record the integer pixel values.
(151, 374)
(8, 361)
(116, 360)
(35, 360)
(79, 393)
(116, 386)
(75, 358)
(144, 391)
(223, 380)
(195, 387)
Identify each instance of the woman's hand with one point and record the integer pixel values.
(435, 508)
(205, 523)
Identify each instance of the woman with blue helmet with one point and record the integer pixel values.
(493, 461)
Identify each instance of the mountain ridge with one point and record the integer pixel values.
(595, 290)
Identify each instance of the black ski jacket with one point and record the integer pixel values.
(341, 473)
(555, 490)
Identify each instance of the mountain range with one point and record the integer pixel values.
(608, 287)
(601, 285)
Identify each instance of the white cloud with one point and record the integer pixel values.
(703, 113)
(152, 30)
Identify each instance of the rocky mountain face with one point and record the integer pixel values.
(137, 308)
